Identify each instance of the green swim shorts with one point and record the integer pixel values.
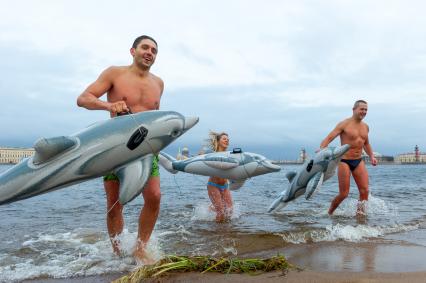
(155, 171)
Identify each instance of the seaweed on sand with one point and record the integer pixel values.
(204, 264)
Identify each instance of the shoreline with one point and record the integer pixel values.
(320, 262)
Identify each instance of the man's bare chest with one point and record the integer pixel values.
(135, 89)
(354, 133)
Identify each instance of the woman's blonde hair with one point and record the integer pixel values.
(213, 140)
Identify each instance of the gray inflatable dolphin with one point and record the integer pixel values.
(236, 166)
(311, 176)
(124, 145)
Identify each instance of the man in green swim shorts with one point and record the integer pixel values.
(133, 88)
(155, 171)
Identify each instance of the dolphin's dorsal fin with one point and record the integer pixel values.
(314, 184)
(236, 184)
(133, 178)
(290, 176)
(46, 149)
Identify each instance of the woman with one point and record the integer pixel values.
(218, 188)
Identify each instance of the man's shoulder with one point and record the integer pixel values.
(116, 69)
(344, 122)
(157, 79)
(112, 72)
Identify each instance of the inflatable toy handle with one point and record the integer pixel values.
(126, 112)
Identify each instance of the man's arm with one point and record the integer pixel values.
(89, 99)
(161, 83)
(368, 149)
(332, 135)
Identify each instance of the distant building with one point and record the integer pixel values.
(14, 155)
(379, 157)
(302, 156)
(183, 154)
(411, 157)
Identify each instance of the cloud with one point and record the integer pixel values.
(276, 75)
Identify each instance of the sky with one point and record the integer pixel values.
(277, 76)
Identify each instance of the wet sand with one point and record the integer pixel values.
(321, 262)
(306, 276)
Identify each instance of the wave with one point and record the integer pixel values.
(348, 233)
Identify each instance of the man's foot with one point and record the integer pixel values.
(116, 246)
(361, 209)
(142, 257)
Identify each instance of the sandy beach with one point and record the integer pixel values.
(298, 277)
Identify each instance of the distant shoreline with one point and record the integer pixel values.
(288, 162)
(291, 162)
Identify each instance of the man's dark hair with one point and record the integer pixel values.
(142, 37)
(358, 102)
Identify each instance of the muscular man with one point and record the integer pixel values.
(352, 131)
(130, 88)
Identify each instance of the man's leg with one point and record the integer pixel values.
(115, 220)
(360, 175)
(343, 174)
(148, 217)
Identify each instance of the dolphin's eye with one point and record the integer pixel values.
(175, 133)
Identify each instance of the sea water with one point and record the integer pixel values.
(63, 234)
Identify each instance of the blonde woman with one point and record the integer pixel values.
(218, 188)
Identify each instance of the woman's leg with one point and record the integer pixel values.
(216, 199)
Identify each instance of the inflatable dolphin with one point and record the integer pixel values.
(236, 166)
(124, 144)
(311, 176)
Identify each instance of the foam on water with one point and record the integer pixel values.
(204, 212)
(374, 206)
(347, 233)
(71, 254)
(377, 211)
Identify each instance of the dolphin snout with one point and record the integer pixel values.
(267, 167)
(272, 167)
(190, 122)
(341, 150)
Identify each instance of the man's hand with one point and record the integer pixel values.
(118, 107)
(373, 161)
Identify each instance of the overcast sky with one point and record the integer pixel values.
(276, 75)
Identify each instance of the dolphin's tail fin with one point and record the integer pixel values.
(277, 205)
(166, 161)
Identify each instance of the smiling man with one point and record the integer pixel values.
(352, 131)
(133, 89)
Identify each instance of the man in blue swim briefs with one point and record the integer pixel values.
(352, 131)
(133, 88)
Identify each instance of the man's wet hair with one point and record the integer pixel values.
(140, 38)
(358, 102)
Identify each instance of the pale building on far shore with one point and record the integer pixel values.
(381, 159)
(12, 155)
(183, 154)
(411, 157)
